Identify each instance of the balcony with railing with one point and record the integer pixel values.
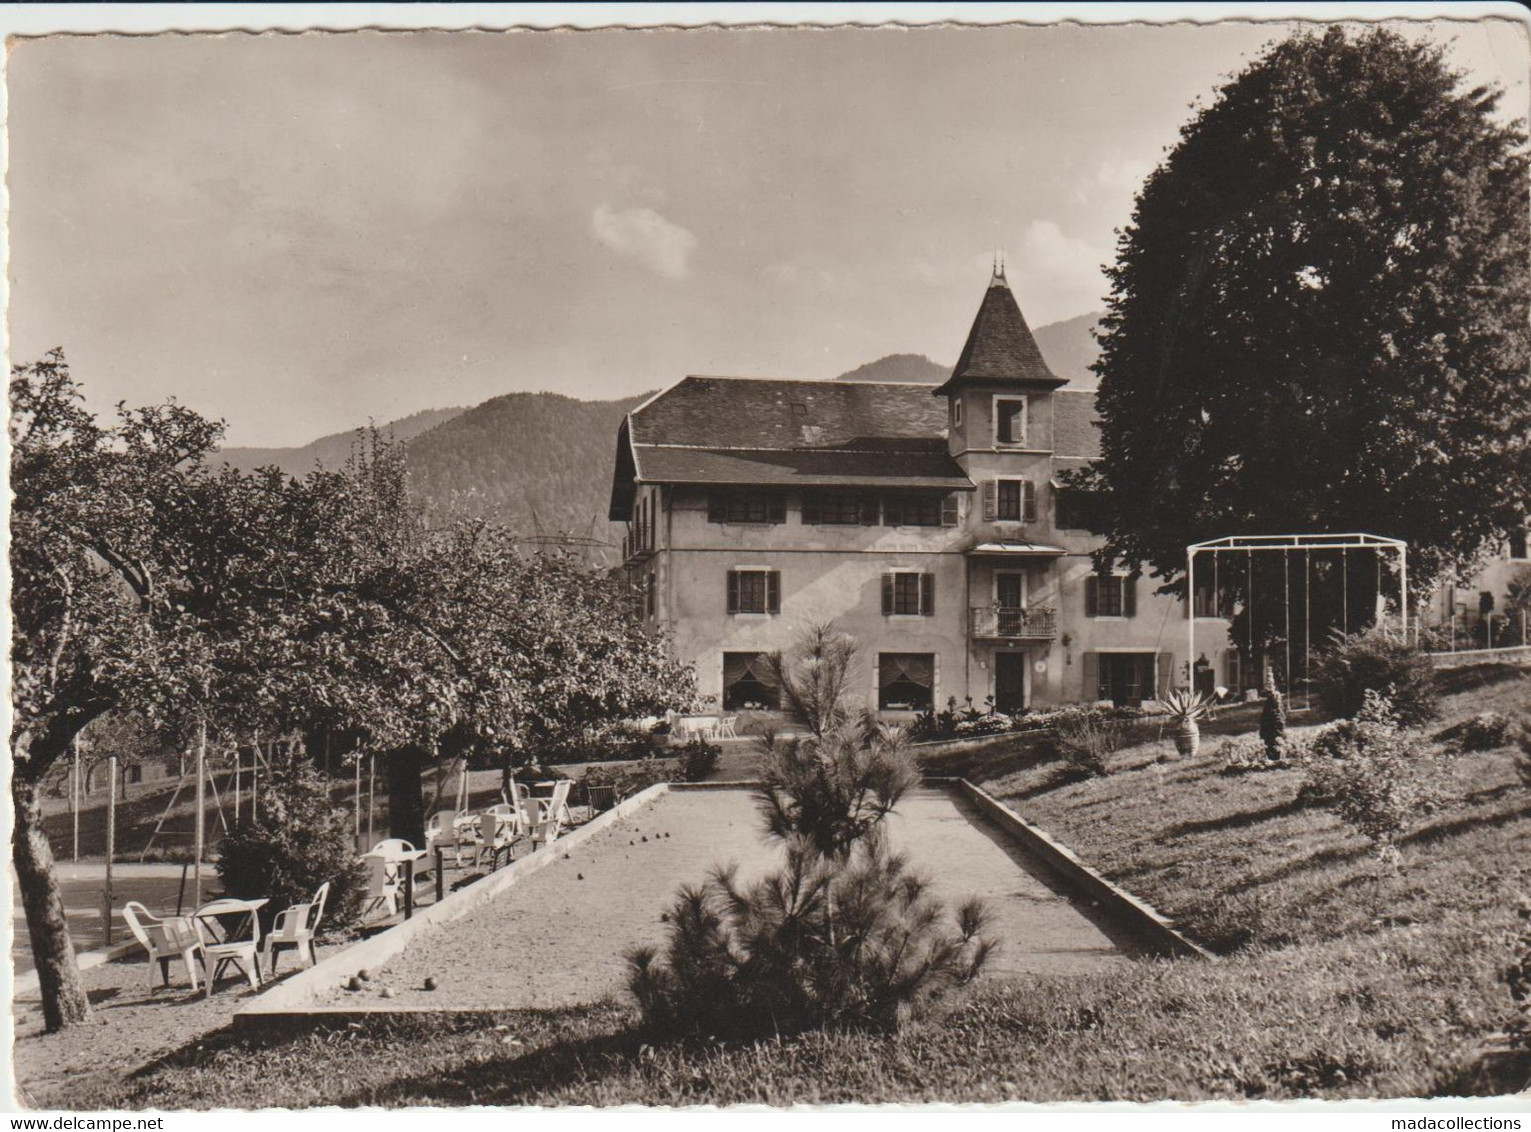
(1002, 623)
(637, 544)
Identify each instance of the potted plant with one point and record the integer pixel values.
(1185, 707)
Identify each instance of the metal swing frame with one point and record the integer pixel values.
(1288, 543)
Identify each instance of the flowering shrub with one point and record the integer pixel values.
(1373, 773)
(995, 723)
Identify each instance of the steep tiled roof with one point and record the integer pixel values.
(769, 431)
(1000, 347)
(1076, 431)
(732, 412)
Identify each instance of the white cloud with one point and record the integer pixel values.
(644, 235)
(1056, 275)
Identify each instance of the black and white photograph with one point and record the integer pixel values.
(781, 556)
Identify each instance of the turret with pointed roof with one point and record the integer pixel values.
(1000, 349)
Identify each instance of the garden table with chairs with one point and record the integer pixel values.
(229, 929)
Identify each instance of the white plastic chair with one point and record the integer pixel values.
(241, 952)
(295, 928)
(172, 938)
(725, 728)
(495, 832)
(552, 813)
(383, 885)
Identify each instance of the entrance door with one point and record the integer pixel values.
(1127, 678)
(1009, 681)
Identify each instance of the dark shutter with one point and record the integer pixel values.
(949, 509)
(773, 591)
(1028, 501)
(869, 509)
(778, 507)
(1092, 596)
(1091, 664)
(716, 507)
(811, 507)
(887, 595)
(1129, 597)
(928, 594)
(733, 591)
(990, 505)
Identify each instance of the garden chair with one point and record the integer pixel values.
(240, 950)
(164, 940)
(496, 831)
(295, 928)
(384, 882)
(552, 813)
(447, 831)
(725, 728)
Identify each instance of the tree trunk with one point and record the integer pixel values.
(406, 794)
(63, 994)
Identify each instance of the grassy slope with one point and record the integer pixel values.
(1341, 984)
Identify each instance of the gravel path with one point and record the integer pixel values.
(558, 937)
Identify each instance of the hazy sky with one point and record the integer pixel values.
(295, 233)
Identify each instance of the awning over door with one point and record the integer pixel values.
(1015, 550)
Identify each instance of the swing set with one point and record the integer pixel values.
(1247, 545)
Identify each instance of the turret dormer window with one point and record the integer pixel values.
(1009, 422)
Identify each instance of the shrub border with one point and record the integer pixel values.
(292, 1001)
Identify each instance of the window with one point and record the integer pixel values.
(1110, 596)
(919, 509)
(956, 412)
(1518, 543)
(746, 507)
(907, 593)
(749, 683)
(1077, 509)
(754, 591)
(906, 681)
(651, 586)
(1010, 501)
(1009, 421)
(840, 508)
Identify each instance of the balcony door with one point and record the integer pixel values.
(1010, 589)
(1009, 681)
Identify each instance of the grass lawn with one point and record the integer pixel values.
(1335, 981)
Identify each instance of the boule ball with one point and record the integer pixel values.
(364, 975)
(430, 982)
(387, 992)
(353, 983)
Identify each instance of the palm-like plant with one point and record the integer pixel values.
(1185, 707)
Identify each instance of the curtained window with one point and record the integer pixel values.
(748, 682)
(906, 680)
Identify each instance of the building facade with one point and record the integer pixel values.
(931, 525)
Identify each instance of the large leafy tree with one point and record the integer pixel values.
(1319, 322)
